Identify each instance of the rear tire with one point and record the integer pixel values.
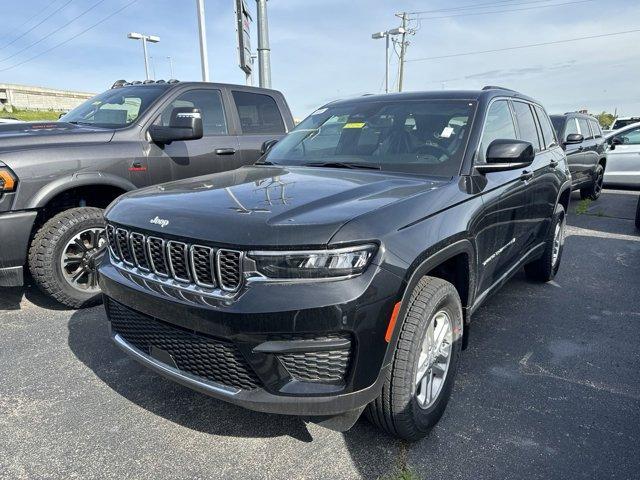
(55, 240)
(546, 267)
(406, 407)
(594, 190)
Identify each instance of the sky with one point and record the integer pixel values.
(322, 50)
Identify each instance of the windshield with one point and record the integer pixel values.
(419, 136)
(115, 108)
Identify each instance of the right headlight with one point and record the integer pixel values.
(330, 263)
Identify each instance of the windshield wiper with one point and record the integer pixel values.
(366, 166)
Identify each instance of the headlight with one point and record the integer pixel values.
(339, 262)
(8, 180)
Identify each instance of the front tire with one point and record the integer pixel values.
(419, 383)
(546, 267)
(594, 190)
(62, 256)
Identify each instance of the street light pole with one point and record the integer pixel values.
(264, 52)
(387, 35)
(145, 39)
(203, 41)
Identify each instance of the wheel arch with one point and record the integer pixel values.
(564, 196)
(603, 162)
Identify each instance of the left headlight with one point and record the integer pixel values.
(330, 263)
(8, 180)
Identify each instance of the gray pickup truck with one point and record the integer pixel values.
(56, 178)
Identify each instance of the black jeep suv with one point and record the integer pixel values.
(57, 177)
(584, 144)
(343, 268)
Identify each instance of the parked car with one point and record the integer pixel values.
(343, 268)
(584, 144)
(57, 177)
(621, 122)
(623, 157)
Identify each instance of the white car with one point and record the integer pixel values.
(623, 157)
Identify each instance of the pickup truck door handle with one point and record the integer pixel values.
(553, 163)
(526, 175)
(225, 151)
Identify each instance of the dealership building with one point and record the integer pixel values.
(23, 97)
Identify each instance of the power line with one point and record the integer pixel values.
(505, 11)
(501, 4)
(53, 32)
(36, 25)
(29, 20)
(70, 38)
(478, 52)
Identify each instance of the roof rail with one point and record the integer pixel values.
(496, 87)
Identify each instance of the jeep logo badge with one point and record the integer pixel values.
(159, 221)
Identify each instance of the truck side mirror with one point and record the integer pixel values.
(507, 154)
(185, 124)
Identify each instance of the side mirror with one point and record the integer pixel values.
(504, 154)
(185, 124)
(573, 138)
(268, 145)
(617, 141)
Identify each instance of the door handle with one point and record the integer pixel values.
(553, 163)
(580, 148)
(526, 175)
(225, 151)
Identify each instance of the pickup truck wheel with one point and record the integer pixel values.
(63, 253)
(594, 190)
(546, 267)
(419, 382)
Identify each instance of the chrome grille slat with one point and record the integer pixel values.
(202, 261)
(122, 239)
(139, 250)
(197, 268)
(178, 257)
(157, 256)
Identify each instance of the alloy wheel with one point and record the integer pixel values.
(77, 260)
(558, 241)
(434, 359)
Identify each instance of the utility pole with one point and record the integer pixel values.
(170, 67)
(403, 48)
(204, 57)
(264, 52)
(145, 39)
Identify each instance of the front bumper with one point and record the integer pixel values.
(311, 350)
(15, 230)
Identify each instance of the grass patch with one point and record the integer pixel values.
(31, 115)
(583, 206)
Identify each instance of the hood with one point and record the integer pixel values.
(30, 134)
(264, 206)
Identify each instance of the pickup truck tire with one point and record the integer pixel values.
(401, 409)
(49, 244)
(546, 267)
(594, 190)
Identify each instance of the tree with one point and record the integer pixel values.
(605, 119)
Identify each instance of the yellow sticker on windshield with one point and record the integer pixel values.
(354, 125)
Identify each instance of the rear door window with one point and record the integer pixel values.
(258, 113)
(527, 124)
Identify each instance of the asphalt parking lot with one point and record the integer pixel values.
(548, 388)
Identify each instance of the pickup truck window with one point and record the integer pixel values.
(527, 124)
(208, 101)
(426, 136)
(499, 124)
(258, 113)
(115, 108)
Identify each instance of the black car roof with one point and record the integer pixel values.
(478, 95)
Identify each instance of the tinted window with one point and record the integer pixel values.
(558, 124)
(547, 130)
(526, 124)
(499, 125)
(572, 127)
(115, 108)
(209, 102)
(631, 137)
(258, 113)
(584, 128)
(596, 128)
(422, 136)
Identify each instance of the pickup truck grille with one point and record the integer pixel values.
(206, 267)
